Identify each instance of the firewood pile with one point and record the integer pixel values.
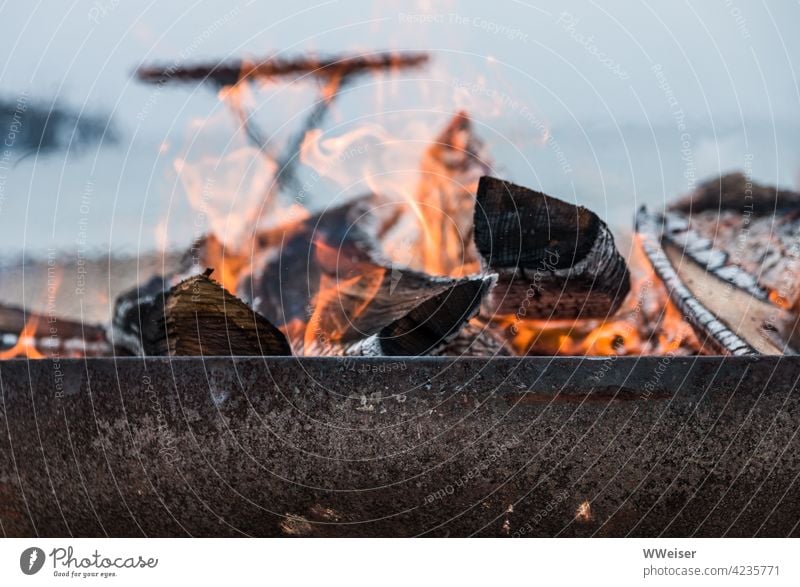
(498, 269)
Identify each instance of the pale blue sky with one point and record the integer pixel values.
(621, 86)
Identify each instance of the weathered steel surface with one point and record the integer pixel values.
(436, 447)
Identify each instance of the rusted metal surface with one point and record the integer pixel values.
(372, 447)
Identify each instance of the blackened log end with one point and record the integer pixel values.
(554, 259)
(436, 321)
(519, 227)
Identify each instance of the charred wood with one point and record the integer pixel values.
(758, 254)
(288, 261)
(196, 317)
(554, 259)
(430, 327)
(726, 318)
(477, 339)
(324, 281)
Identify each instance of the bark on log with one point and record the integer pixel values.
(728, 319)
(554, 259)
(323, 281)
(759, 254)
(196, 317)
(704, 252)
(429, 328)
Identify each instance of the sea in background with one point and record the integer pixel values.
(611, 107)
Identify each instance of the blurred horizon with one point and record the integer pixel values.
(609, 107)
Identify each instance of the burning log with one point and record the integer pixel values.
(729, 319)
(733, 244)
(230, 73)
(285, 269)
(323, 281)
(427, 327)
(196, 317)
(554, 259)
(744, 233)
(33, 335)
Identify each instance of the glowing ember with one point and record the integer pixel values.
(647, 324)
(584, 512)
(425, 223)
(329, 321)
(422, 186)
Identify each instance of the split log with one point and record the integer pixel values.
(429, 327)
(327, 286)
(49, 335)
(554, 259)
(702, 250)
(728, 319)
(196, 317)
(745, 233)
(286, 271)
(230, 73)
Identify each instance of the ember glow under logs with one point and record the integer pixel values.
(447, 259)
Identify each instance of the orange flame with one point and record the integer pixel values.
(646, 311)
(340, 300)
(423, 186)
(25, 347)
